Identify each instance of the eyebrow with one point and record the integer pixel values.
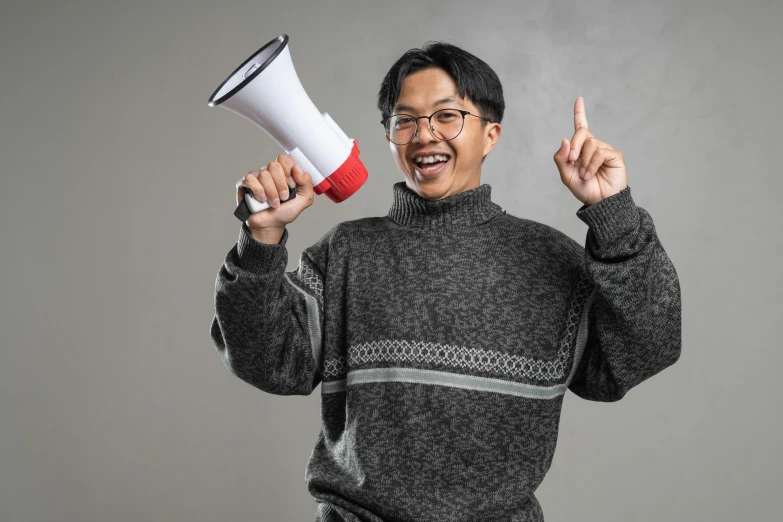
(439, 102)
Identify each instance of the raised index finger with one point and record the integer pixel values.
(580, 118)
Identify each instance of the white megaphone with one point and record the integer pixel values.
(266, 90)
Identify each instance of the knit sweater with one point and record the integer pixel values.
(444, 336)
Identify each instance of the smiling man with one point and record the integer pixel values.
(446, 334)
(443, 156)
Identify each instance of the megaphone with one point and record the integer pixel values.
(266, 90)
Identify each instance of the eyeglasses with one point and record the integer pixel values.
(446, 125)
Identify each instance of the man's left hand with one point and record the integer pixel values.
(591, 169)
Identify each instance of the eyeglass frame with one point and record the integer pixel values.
(429, 120)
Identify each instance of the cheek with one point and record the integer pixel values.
(469, 151)
(401, 157)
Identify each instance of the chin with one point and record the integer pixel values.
(432, 188)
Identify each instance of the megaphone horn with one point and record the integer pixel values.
(266, 90)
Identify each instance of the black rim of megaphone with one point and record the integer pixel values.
(282, 38)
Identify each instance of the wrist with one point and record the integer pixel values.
(271, 236)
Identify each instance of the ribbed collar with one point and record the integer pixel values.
(464, 209)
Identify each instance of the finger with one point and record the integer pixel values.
(279, 178)
(588, 149)
(567, 170)
(577, 141)
(580, 117)
(596, 161)
(270, 188)
(603, 157)
(254, 186)
(287, 163)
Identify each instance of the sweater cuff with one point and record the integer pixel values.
(612, 217)
(257, 256)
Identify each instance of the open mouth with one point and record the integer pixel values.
(430, 169)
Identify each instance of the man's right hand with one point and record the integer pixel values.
(272, 184)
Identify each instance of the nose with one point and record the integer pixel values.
(419, 133)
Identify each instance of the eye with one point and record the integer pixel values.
(447, 116)
(402, 121)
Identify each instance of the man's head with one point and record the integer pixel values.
(414, 85)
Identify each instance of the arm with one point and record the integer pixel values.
(634, 319)
(267, 324)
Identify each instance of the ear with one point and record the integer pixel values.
(387, 139)
(493, 131)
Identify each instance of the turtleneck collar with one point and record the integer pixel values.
(464, 209)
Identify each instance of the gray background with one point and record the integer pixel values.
(116, 209)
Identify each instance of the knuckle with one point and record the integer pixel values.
(269, 181)
(266, 181)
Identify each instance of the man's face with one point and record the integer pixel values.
(419, 95)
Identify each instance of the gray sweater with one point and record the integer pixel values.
(444, 336)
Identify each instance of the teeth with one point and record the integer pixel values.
(432, 159)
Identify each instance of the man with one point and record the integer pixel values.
(446, 333)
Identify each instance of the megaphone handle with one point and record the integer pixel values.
(243, 211)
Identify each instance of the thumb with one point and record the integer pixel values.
(304, 183)
(561, 156)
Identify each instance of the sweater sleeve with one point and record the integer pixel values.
(268, 322)
(634, 316)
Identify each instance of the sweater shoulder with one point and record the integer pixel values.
(537, 229)
(343, 233)
(341, 229)
(350, 227)
(545, 240)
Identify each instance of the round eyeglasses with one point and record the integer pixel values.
(445, 124)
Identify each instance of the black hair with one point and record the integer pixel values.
(472, 75)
